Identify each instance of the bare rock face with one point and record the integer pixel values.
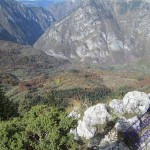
(101, 31)
(83, 35)
(21, 24)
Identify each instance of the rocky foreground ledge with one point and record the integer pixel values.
(104, 125)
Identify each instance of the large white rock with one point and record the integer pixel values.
(85, 130)
(117, 106)
(136, 102)
(95, 115)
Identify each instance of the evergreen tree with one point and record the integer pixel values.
(7, 108)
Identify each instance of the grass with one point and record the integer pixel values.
(81, 86)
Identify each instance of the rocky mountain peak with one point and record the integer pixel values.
(103, 32)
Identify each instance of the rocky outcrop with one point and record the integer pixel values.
(96, 115)
(136, 102)
(133, 103)
(104, 125)
(21, 24)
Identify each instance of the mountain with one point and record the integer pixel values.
(101, 32)
(21, 24)
(25, 61)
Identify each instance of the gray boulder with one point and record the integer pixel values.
(136, 102)
(95, 115)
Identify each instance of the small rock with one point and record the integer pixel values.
(75, 114)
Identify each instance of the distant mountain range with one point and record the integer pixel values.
(63, 8)
(22, 24)
(39, 3)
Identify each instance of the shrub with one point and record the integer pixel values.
(55, 100)
(29, 101)
(62, 96)
(42, 128)
(74, 71)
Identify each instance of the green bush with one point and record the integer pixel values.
(29, 101)
(42, 128)
(55, 100)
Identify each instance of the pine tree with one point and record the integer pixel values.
(7, 108)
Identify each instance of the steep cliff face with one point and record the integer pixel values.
(101, 32)
(134, 19)
(21, 24)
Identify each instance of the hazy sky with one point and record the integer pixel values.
(41, 0)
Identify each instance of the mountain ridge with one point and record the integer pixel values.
(97, 31)
(24, 61)
(22, 24)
